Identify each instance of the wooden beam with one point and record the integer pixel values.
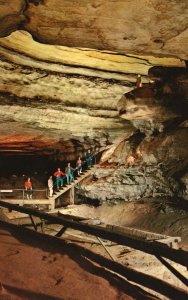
(105, 248)
(149, 281)
(171, 241)
(61, 231)
(154, 248)
(33, 222)
(173, 270)
(27, 201)
(72, 195)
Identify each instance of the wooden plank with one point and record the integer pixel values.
(143, 234)
(82, 240)
(33, 222)
(177, 255)
(78, 180)
(27, 201)
(13, 201)
(105, 248)
(72, 217)
(72, 195)
(170, 241)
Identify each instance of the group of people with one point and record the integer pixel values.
(60, 176)
(69, 173)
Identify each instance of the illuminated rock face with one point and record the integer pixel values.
(62, 100)
(146, 27)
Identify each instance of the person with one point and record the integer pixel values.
(59, 180)
(130, 160)
(50, 186)
(69, 173)
(28, 188)
(79, 165)
(138, 154)
(89, 158)
(138, 81)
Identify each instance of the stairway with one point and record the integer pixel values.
(71, 185)
(51, 200)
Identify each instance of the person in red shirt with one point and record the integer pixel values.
(28, 188)
(59, 180)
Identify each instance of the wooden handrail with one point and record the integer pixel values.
(151, 247)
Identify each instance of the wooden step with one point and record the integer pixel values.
(76, 181)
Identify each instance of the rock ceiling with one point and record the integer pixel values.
(55, 95)
(62, 100)
(148, 26)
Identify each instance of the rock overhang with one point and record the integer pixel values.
(141, 27)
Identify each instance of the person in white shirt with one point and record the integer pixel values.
(50, 186)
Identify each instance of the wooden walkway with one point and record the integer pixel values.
(51, 201)
(147, 242)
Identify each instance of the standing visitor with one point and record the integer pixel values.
(79, 165)
(130, 160)
(59, 180)
(50, 186)
(69, 173)
(89, 158)
(138, 81)
(28, 188)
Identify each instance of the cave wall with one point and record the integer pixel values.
(59, 101)
(56, 102)
(158, 148)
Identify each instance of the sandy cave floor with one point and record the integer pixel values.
(31, 268)
(34, 269)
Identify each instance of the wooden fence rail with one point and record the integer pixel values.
(151, 247)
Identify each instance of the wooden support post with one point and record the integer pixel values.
(42, 225)
(101, 242)
(52, 204)
(173, 270)
(33, 222)
(61, 231)
(72, 195)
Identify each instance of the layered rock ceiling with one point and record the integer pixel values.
(58, 101)
(146, 26)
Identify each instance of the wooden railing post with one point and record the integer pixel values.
(71, 193)
(52, 204)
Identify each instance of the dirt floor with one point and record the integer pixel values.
(33, 268)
